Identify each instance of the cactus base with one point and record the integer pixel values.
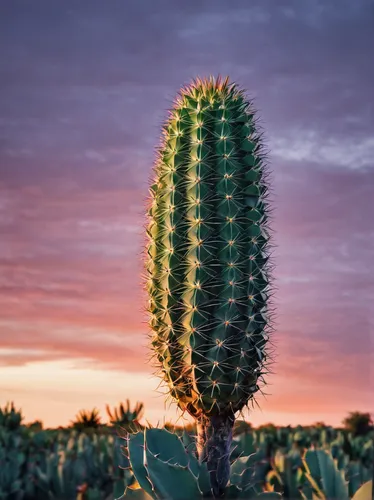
(214, 437)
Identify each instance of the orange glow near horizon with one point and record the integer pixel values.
(54, 392)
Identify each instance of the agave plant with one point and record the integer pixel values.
(125, 417)
(10, 418)
(87, 420)
(208, 272)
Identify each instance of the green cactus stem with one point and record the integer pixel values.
(208, 261)
(214, 437)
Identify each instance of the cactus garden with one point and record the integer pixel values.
(208, 276)
(125, 459)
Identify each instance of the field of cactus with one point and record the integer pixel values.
(94, 462)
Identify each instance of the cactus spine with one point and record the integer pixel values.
(207, 261)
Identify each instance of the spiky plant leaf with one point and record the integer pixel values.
(86, 420)
(10, 417)
(124, 415)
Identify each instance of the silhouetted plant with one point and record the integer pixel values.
(125, 417)
(358, 423)
(124, 414)
(10, 418)
(87, 420)
(319, 425)
(37, 425)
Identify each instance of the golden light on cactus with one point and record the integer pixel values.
(211, 134)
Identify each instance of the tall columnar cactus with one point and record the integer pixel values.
(207, 261)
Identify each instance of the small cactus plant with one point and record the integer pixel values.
(208, 262)
(87, 420)
(125, 417)
(10, 418)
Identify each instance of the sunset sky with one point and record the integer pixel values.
(84, 89)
